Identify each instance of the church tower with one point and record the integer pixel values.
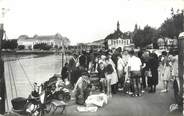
(118, 26)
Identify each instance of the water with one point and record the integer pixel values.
(38, 69)
(42, 68)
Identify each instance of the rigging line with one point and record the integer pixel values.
(11, 70)
(11, 88)
(6, 99)
(25, 74)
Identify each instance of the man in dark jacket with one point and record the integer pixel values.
(72, 69)
(64, 72)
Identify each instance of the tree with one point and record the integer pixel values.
(9, 44)
(21, 47)
(144, 37)
(42, 46)
(171, 27)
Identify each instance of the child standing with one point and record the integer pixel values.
(101, 75)
(109, 77)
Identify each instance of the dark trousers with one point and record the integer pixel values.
(136, 83)
(143, 79)
(114, 88)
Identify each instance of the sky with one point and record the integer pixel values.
(82, 20)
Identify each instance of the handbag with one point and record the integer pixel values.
(149, 74)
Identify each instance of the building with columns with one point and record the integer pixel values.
(118, 39)
(52, 40)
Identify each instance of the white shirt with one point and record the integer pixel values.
(120, 64)
(125, 59)
(135, 63)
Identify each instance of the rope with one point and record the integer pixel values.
(11, 70)
(25, 74)
(11, 88)
(7, 103)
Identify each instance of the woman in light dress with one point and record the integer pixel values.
(114, 79)
(174, 66)
(165, 70)
(120, 72)
(125, 57)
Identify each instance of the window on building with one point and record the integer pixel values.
(124, 42)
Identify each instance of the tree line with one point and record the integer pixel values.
(9, 44)
(12, 45)
(170, 28)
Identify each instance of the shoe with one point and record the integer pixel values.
(120, 89)
(143, 91)
(164, 91)
(110, 95)
(133, 95)
(139, 94)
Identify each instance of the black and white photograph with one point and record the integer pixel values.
(91, 57)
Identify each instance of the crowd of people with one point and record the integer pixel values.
(132, 72)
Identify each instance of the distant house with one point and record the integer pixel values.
(167, 43)
(95, 45)
(118, 39)
(171, 43)
(52, 40)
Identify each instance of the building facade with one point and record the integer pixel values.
(167, 43)
(116, 43)
(95, 46)
(51, 40)
(118, 39)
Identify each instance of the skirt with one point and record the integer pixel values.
(166, 74)
(113, 77)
